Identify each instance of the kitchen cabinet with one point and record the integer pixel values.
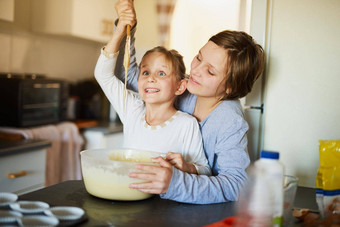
(27, 169)
(92, 20)
(7, 10)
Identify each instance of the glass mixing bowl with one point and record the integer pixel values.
(106, 172)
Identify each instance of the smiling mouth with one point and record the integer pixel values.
(194, 81)
(151, 90)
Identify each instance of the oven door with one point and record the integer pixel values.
(40, 103)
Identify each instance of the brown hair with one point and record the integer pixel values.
(177, 64)
(245, 62)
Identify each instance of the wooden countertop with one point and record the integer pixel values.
(82, 123)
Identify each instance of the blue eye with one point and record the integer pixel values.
(145, 73)
(162, 74)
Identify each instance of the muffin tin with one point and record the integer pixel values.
(36, 213)
(6, 198)
(65, 213)
(8, 216)
(29, 207)
(38, 220)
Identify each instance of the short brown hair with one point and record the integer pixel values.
(176, 60)
(245, 62)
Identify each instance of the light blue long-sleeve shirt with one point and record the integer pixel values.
(224, 133)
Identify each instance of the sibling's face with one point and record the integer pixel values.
(208, 70)
(156, 83)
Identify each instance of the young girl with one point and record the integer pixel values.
(223, 71)
(150, 119)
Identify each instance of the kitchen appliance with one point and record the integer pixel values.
(106, 172)
(28, 100)
(88, 101)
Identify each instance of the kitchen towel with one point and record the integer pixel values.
(63, 157)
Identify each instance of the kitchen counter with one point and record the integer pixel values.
(104, 135)
(150, 212)
(9, 146)
(22, 163)
(106, 127)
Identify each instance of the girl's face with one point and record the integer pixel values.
(156, 83)
(208, 70)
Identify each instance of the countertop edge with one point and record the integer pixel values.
(105, 128)
(25, 146)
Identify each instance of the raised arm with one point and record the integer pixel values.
(133, 72)
(127, 16)
(104, 71)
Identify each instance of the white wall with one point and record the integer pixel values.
(57, 58)
(302, 83)
(192, 28)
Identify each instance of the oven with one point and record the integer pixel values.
(29, 100)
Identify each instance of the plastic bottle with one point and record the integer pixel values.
(273, 171)
(255, 205)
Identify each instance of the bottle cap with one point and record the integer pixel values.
(270, 154)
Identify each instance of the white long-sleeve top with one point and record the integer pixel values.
(179, 134)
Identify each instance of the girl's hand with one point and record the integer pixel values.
(158, 177)
(177, 160)
(126, 14)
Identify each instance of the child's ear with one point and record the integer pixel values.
(182, 86)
